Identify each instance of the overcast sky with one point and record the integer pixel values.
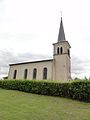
(29, 27)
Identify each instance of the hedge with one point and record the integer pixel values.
(79, 90)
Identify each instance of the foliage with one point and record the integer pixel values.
(79, 90)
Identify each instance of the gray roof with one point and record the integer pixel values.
(49, 60)
(61, 36)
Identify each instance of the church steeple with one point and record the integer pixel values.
(61, 35)
(61, 57)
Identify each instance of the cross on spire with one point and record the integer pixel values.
(61, 14)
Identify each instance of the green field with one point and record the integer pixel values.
(15, 105)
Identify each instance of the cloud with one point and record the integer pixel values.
(77, 65)
(80, 66)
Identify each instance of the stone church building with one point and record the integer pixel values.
(58, 68)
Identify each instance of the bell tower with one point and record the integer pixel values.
(61, 57)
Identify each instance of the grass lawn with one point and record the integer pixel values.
(15, 105)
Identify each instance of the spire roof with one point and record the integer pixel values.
(61, 35)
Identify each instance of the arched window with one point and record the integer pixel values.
(68, 52)
(61, 50)
(15, 74)
(34, 73)
(58, 50)
(45, 73)
(25, 73)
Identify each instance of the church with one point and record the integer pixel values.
(58, 68)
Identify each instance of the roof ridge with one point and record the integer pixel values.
(30, 62)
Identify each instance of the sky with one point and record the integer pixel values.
(28, 28)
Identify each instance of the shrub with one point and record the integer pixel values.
(79, 90)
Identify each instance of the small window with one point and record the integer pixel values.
(58, 50)
(45, 73)
(61, 50)
(25, 73)
(15, 74)
(68, 52)
(34, 73)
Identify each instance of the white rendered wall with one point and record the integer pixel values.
(30, 66)
(61, 64)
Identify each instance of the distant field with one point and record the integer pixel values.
(15, 105)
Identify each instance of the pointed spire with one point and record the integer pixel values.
(61, 36)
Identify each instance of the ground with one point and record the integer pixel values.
(15, 105)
